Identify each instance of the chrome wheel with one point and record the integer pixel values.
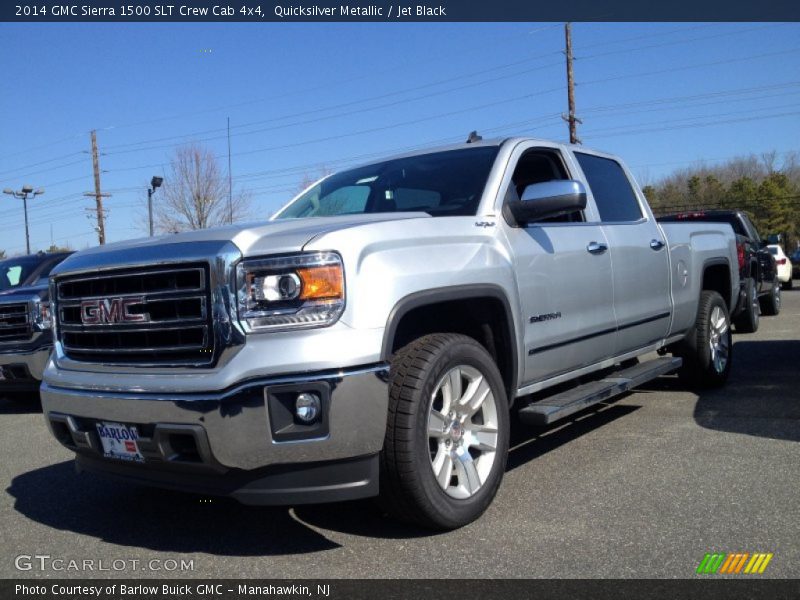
(776, 292)
(719, 339)
(462, 431)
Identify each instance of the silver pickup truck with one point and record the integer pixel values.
(372, 337)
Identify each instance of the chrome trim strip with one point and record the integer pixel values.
(115, 274)
(223, 394)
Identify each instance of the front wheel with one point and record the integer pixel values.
(707, 350)
(447, 432)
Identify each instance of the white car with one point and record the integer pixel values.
(783, 264)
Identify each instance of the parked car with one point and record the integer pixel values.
(371, 337)
(760, 291)
(25, 322)
(783, 264)
(795, 260)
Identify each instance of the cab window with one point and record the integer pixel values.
(538, 166)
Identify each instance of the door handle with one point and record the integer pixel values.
(656, 244)
(596, 248)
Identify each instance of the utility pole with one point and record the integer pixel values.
(98, 195)
(570, 118)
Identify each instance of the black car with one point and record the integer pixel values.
(795, 258)
(25, 336)
(760, 290)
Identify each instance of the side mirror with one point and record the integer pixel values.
(545, 200)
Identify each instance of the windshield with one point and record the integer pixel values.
(18, 272)
(15, 272)
(440, 184)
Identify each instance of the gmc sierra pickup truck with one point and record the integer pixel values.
(372, 337)
(25, 337)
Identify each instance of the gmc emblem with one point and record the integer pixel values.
(112, 310)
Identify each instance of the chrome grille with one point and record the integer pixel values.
(14, 323)
(155, 316)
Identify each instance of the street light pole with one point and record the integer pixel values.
(26, 191)
(155, 183)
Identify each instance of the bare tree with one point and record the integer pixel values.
(195, 193)
(309, 178)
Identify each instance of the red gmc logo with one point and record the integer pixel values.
(112, 310)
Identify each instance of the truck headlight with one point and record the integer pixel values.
(290, 292)
(41, 317)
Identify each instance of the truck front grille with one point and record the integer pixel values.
(14, 323)
(154, 316)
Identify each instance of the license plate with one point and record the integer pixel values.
(119, 441)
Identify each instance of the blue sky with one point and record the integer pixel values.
(306, 96)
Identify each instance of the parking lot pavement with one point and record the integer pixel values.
(640, 487)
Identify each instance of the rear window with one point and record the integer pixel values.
(610, 188)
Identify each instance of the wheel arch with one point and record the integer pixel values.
(481, 311)
(717, 278)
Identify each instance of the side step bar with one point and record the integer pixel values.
(561, 405)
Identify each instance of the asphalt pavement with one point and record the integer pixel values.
(642, 486)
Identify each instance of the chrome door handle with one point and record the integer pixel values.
(656, 244)
(596, 248)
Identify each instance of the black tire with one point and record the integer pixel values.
(700, 369)
(771, 303)
(747, 321)
(788, 285)
(409, 488)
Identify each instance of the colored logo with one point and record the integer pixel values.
(108, 311)
(734, 563)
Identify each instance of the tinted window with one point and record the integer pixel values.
(752, 228)
(610, 187)
(439, 183)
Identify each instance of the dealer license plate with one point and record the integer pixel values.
(119, 441)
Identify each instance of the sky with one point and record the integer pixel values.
(303, 98)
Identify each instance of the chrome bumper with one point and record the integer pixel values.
(234, 429)
(23, 367)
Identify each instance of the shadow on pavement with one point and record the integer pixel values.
(762, 396)
(19, 404)
(161, 520)
(529, 443)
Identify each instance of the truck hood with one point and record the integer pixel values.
(253, 239)
(24, 293)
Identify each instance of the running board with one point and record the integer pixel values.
(561, 405)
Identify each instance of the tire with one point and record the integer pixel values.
(707, 350)
(771, 303)
(787, 285)
(426, 443)
(747, 321)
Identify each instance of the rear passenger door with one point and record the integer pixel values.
(638, 250)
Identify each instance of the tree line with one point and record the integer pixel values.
(767, 188)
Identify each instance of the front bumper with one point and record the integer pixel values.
(21, 370)
(235, 442)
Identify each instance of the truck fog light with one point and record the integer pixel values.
(307, 407)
